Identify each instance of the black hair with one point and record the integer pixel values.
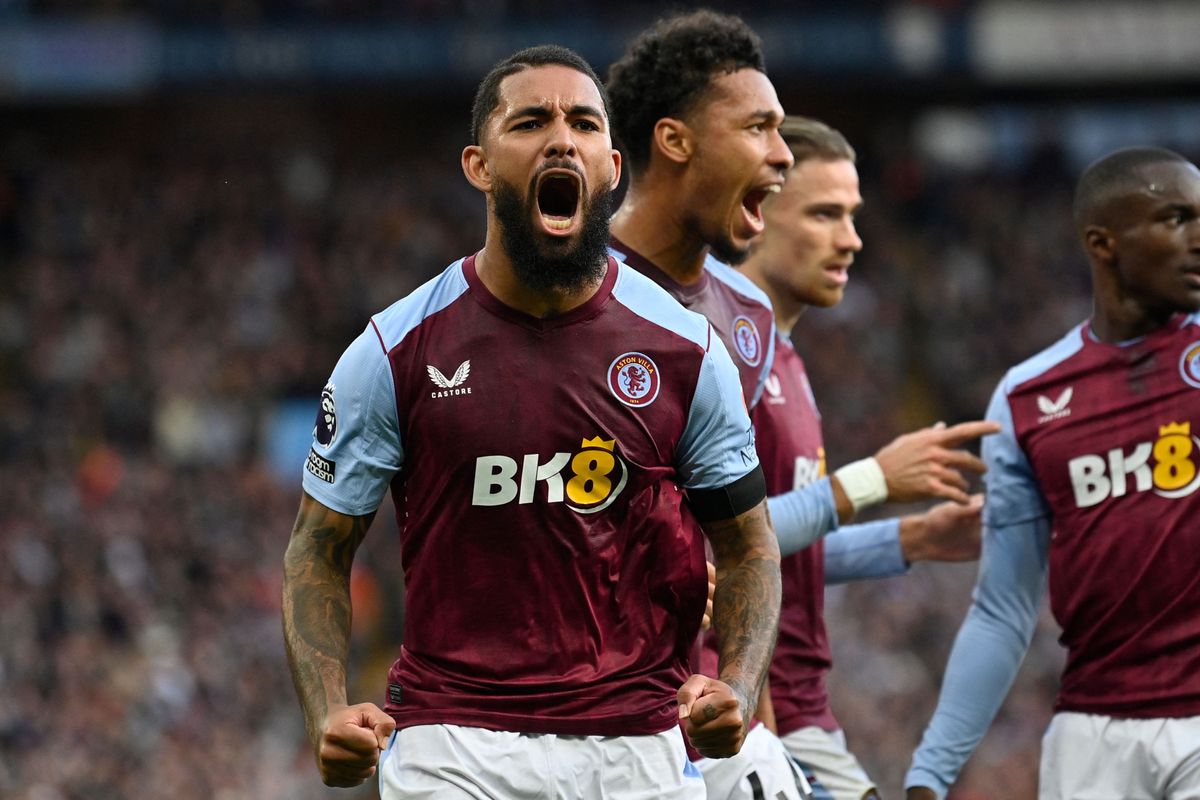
(1116, 174)
(669, 67)
(487, 95)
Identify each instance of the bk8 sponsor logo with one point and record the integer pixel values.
(596, 476)
(1166, 466)
(809, 470)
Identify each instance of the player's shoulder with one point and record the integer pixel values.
(400, 318)
(733, 279)
(651, 302)
(1044, 362)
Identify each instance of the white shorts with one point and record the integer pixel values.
(761, 769)
(453, 762)
(1104, 758)
(833, 771)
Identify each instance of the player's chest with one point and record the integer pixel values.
(788, 426)
(745, 332)
(1126, 434)
(525, 395)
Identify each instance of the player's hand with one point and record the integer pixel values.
(947, 532)
(706, 622)
(920, 793)
(929, 464)
(350, 742)
(716, 716)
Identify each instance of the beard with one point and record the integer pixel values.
(725, 250)
(720, 244)
(546, 264)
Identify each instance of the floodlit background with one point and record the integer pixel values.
(202, 202)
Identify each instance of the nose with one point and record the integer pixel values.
(848, 239)
(780, 155)
(560, 143)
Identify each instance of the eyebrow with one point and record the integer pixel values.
(766, 115)
(545, 112)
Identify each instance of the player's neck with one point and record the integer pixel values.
(649, 224)
(787, 308)
(786, 318)
(495, 271)
(1119, 320)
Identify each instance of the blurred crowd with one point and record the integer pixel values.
(241, 12)
(166, 292)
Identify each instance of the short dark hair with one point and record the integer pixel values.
(810, 138)
(669, 67)
(1112, 176)
(487, 96)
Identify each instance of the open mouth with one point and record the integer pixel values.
(752, 202)
(838, 273)
(558, 200)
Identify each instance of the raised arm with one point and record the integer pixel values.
(920, 465)
(316, 629)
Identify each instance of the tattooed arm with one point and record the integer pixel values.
(746, 620)
(316, 629)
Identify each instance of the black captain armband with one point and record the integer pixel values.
(729, 501)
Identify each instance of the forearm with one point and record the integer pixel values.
(987, 651)
(802, 516)
(747, 599)
(866, 550)
(316, 607)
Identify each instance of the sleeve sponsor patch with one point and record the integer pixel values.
(323, 468)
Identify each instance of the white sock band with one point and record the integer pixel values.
(863, 482)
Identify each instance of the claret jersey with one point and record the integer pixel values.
(792, 450)
(738, 311)
(554, 575)
(1105, 439)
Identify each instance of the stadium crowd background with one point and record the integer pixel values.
(180, 273)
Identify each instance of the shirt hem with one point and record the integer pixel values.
(625, 725)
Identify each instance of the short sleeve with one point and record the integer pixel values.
(356, 448)
(717, 446)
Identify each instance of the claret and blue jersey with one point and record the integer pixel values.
(1103, 438)
(1093, 486)
(554, 576)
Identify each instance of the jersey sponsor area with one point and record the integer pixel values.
(1167, 466)
(597, 476)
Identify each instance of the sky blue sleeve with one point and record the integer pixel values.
(863, 551)
(356, 450)
(717, 446)
(803, 516)
(996, 633)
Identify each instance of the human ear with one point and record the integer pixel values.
(1099, 243)
(673, 139)
(475, 167)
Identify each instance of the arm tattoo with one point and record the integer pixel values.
(316, 606)
(746, 603)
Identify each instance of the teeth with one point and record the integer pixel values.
(774, 188)
(557, 224)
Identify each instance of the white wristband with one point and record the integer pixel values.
(863, 482)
